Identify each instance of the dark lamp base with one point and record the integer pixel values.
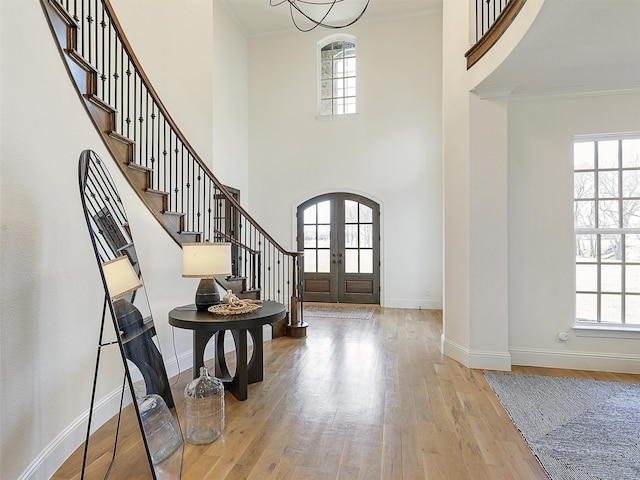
(207, 294)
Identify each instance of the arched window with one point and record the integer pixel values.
(337, 85)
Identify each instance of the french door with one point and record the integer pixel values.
(340, 236)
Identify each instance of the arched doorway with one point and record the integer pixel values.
(340, 236)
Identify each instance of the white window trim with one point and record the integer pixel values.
(598, 330)
(322, 43)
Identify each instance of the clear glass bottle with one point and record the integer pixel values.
(161, 428)
(204, 409)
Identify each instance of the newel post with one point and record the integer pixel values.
(296, 326)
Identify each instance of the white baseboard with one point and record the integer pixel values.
(606, 362)
(477, 358)
(54, 455)
(74, 435)
(414, 304)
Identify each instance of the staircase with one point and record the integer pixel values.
(159, 163)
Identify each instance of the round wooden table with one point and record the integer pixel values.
(205, 325)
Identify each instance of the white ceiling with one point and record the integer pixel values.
(258, 17)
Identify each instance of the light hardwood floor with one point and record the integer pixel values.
(356, 399)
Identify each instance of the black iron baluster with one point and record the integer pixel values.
(179, 188)
(196, 199)
(143, 160)
(207, 207)
(188, 189)
(173, 180)
(494, 11)
(103, 77)
(154, 148)
(89, 19)
(164, 155)
(128, 119)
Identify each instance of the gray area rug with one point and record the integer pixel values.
(578, 429)
(322, 311)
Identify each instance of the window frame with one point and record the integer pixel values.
(588, 327)
(320, 45)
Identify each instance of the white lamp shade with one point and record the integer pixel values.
(120, 276)
(205, 260)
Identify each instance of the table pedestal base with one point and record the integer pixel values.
(247, 370)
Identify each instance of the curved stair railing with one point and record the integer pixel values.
(492, 18)
(158, 161)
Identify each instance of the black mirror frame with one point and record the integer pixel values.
(111, 238)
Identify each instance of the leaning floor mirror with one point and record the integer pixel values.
(126, 300)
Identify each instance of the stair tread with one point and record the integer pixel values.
(177, 214)
(156, 192)
(122, 138)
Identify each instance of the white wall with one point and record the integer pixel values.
(541, 242)
(51, 294)
(230, 131)
(390, 151)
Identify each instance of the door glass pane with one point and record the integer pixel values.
(324, 236)
(310, 215)
(309, 260)
(366, 214)
(309, 236)
(351, 236)
(324, 264)
(324, 212)
(366, 261)
(351, 261)
(350, 211)
(366, 236)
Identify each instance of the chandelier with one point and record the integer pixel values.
(316, 13)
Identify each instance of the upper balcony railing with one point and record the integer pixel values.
(492, 18)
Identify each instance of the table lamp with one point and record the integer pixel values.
(122, 279)
(205, 261)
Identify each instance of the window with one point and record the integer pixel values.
(607, 229)
(337, 76)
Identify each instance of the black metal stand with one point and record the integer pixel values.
(93, 399)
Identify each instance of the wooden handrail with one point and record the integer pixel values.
(127, 46)
(496, 30)
(153, 153)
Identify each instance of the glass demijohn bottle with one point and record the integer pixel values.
(204, 409)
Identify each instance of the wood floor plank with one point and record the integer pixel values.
(357, 399)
